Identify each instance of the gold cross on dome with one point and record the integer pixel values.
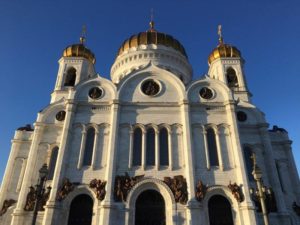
(220, 34)
(83, 35)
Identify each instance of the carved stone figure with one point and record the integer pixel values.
(236, 191)
(296, 208)
(178, 186)
(6, 205)
(123, 185)
(200, 191)
(99, 188)
(65, 189)
(44, 198)
(30, 199)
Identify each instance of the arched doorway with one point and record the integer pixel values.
(150, 209)
(81, 210)
(219, 209)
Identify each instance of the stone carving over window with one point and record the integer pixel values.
(200, 190)
(99, 188)
(296, 208)
(30, 199)
(65, 189)
(123, 185)
(178, 186)
(236, 191)
(6, 205)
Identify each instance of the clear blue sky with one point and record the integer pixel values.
(34, 34)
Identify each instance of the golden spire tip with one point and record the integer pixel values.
(82, 38)
(220, 35)
(151, 20)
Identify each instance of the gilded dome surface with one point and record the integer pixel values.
(224, 51)
(79, 50)
(151, 36)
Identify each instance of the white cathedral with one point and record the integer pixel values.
(151, 146)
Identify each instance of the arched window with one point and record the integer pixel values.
(70, 77)
(150, 208)
(150, 147)
(249, 162)
(164, 147)
(212, 147)
(137, 146)
(52, 162)
(219, 209)
(232, 80)
(81, 210)
(89, 146)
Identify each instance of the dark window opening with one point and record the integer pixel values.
(164, 147)
(137, 147)
(212, 147)
(81, 210)
(219, 209)
(70, 77)
(52, 162)
(150, 147)
(89, 147)
(232, 80)
(249, 162)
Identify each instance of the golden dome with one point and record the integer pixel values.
(79, 50)
(223, 50)
(151, 36)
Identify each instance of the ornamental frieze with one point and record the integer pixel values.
(6, 204)
(65, 189)
(178, 186)
(200, 191)
(236, 191)
(123, 184)
(98, 187)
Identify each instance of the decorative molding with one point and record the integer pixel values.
(178, 186)
(98, 187)
(236, 191)
(123, 185)
(6, 204)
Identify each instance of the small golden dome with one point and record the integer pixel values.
(79, 50)
(151, 36)
(223, 50)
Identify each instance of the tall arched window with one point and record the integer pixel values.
(89, 146)
(52, 162)
(219, 209)
(232, 80)
(137, 147)
(150, 147)
(81, 210)
(164, 147)
(212, 147)
(249, 162)
(70, 77)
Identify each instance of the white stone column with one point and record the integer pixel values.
(17, 216)
(108, 205)
(9, 168)
(82, 146)
(157, 150)
(206, 148)
(130, 149)
(21, 177)
(219, 150)
(52, 207)
(144, 142)
(95, 147)
(170, 152)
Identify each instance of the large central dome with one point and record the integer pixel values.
(151, 36)
(161, 49)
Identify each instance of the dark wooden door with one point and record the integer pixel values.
(81, 211)
(219, 211)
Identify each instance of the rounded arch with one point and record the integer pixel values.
(160, 187)
(231, 77)
(70, 77)
(219, 210)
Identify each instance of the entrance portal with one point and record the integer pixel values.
(150, 209)
(219, 209)
(81, 210)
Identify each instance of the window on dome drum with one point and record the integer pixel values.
(70, 77)
(219, 209)
(89, 146)
(232, 80)
(52, 162)
(249, 162)
(212, 147)
(137, 147)
(164, 147)
(150, 147)
(81, 210)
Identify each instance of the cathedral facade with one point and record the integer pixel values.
(151, 146)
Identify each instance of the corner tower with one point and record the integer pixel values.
(226, 64)
(75, 65)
